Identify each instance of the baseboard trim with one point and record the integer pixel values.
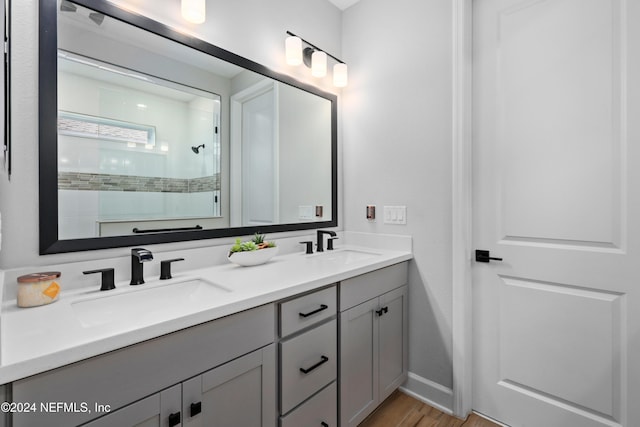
(429, 392)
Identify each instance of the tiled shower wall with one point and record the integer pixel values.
(108, 182)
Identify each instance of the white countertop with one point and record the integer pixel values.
(34, 340)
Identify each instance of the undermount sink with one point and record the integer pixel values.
(147, 303)
(344, 256)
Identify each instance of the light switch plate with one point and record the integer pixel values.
(395, 215)
(306, 212)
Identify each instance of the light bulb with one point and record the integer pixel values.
(293, 49)
(193, 11)
(319, 64)
(340, 75)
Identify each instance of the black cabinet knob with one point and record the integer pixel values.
(195, 409)
(383, 310)
(174, 419)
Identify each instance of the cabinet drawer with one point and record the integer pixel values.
(320, 410)
(362, 288)
(315, 353)
(307, 310)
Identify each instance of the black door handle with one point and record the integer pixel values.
(484, 256)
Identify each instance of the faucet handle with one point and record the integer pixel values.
(309, 246)
(107, 282)
(330, 243)
(165, 268)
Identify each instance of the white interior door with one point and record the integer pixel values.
(556, 177)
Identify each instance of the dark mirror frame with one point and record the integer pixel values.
(48, 144)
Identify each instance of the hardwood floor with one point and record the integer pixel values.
(401, 410)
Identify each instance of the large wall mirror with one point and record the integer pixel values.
(148, 135)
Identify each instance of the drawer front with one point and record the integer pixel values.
(362, 288)
(315, 353)
(307, 310)
(320, 410)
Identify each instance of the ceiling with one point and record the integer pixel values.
(343, 4)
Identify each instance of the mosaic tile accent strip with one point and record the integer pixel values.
(106, 182)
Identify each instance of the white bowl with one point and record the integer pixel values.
(257, 257)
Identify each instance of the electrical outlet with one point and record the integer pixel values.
(395, 215)
(371, 212)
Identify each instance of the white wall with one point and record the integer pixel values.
(397, 151)
(254, 29)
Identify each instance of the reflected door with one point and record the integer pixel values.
(556, 195)
(259, 161)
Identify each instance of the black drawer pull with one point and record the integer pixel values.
(323, 424)
(195, 409)
(174, 419)
(324, 359)
(311, 313)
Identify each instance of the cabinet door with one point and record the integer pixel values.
(239, 393)
(358, 363)
(392, 347)
(153, 411)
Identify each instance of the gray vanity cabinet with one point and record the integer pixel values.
(373, 340)
(232, 357)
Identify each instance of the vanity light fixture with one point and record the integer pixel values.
(293, 50)
(340, 75)
(318, 64)
(314, 58)
(193, 11)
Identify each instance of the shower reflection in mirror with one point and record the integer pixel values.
(126, 144)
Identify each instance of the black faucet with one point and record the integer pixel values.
(138, 256)
(320, 239)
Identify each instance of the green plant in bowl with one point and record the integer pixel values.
(252, 252)
(255, 244)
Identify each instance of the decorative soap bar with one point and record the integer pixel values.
(38, 288)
